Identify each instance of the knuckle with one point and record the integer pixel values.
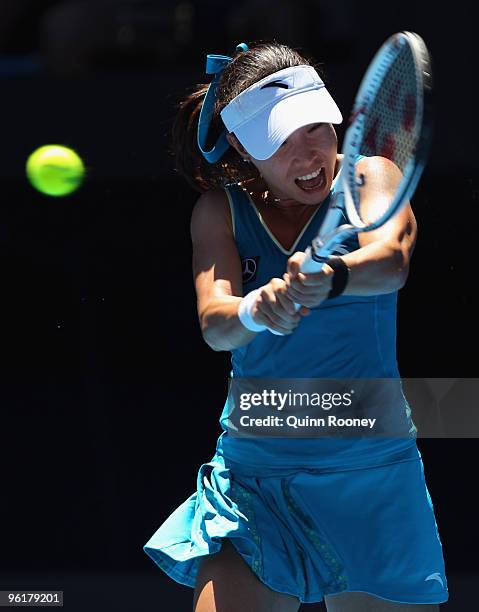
(266, 296)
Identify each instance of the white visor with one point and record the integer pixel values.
(263, 116)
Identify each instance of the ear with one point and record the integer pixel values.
(235, 143)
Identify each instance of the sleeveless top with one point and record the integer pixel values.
(345, 337)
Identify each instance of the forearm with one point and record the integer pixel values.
(379, 267)
(221, 327)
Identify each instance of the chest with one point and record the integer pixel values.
(286, 229)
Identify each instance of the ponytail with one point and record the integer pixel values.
(188, 158)
(245, 69)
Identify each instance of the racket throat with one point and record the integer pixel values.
(317, 255)
(331, 244)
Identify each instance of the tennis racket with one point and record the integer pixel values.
(391, 117)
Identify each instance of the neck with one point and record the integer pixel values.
(260, 191)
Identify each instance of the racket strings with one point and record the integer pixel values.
(392, 125)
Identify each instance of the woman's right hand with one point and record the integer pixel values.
(275, 309)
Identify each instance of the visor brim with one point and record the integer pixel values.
(264, 134)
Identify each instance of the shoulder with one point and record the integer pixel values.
(212, 213)
(379, 176)
(380, 169)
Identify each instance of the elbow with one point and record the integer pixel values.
(209, 334)
(400, 271)
(403, 251)
(212, 344)
(402, 278)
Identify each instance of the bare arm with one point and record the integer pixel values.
(381, 264)
(218, 280)
(217, 273)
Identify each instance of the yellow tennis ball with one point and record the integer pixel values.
(55, 170)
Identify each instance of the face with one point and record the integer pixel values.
(307, 150)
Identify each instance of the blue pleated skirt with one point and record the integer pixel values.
(312, 532)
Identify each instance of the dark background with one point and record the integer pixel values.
(109, 397)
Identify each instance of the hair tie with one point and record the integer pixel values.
(215, 64)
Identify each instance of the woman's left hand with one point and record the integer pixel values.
(307, 289)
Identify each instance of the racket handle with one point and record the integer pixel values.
(309, 265)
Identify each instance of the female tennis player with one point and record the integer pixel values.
(277, 521)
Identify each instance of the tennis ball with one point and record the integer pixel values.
(55, 170)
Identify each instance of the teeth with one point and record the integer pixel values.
(309, 176)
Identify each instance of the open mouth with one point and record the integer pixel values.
(316, 183)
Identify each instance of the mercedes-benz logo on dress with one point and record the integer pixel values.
(249, 266)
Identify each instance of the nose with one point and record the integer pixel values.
(307, 154)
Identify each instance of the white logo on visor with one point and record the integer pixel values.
(275, 84)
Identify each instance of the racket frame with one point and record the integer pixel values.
(346, 197)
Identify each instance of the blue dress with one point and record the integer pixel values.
(312, 516)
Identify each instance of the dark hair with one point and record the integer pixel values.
(246, 68)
